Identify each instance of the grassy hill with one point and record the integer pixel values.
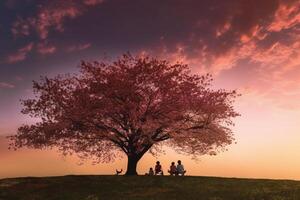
(147, 188)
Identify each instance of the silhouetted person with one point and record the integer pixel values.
(180, 168)
(119, 172)
(173, 169)
(158, 169)
(151, 172)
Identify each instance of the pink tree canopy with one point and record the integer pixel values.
(130, 106)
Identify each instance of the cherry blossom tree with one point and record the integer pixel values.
(128, 107)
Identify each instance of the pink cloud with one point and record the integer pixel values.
(275, 72)
(273, 59)
(223, 29)
(51, 16)
(21, 27)
(54, 18)
(287, 16)
(79, 47)
(21, 54)
(44, 48)
(6, 85)
(248, 44)
(92, 2)
(47, 18)
(203, 60)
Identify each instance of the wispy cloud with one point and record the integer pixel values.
(4, 85)
(265, 39)
(50, 17)
(47, 18)
(79, 47)
(44, 48)
(287, 16)
(21, 54)
(216, 38)
(92, 2)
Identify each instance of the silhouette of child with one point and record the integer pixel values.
(173, 169)
(158, 169)
(151, 172)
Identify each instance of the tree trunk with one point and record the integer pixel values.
(131, 164)
(133, 159)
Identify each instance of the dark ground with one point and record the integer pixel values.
(147, 188)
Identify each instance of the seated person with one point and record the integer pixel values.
(180, 169)
(151, 172)
(158, 169)
(173, 169)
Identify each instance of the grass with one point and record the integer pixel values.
(147, 188)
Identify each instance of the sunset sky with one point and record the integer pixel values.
(249, 45)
